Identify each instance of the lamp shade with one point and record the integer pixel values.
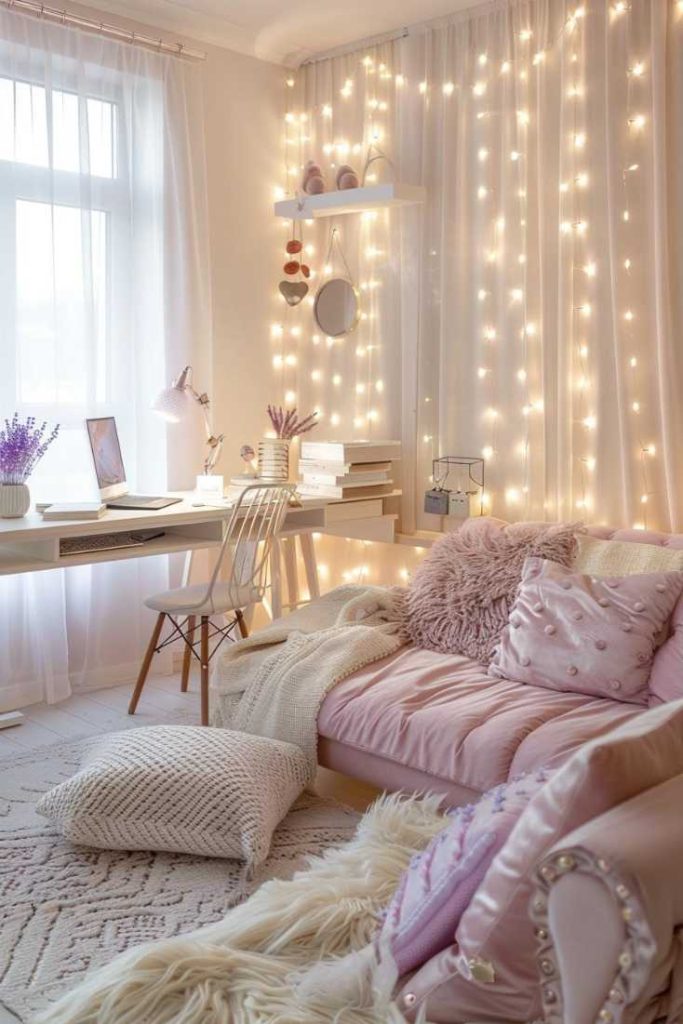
(174, 404)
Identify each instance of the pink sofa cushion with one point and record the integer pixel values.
(578, 633)
(443, 716)
(496, 963)
(442, 879)
(461, 593)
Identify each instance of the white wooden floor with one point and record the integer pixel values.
(100, 711)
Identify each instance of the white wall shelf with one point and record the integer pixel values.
(352, 200)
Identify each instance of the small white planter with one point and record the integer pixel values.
(273, 459)
(15, 501)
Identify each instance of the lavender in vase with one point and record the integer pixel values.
(22, 446)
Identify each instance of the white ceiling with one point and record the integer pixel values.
(286, 31)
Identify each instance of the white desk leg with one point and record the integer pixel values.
(187, 569)
(310, 564)
(289, 553)
(275, 579)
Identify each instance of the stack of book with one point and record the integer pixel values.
(344, 470)
(72, 510)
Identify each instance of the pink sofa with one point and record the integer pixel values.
(422, 721)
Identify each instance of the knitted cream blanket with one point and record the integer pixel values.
(273, 683)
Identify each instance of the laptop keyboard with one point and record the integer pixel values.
(97, 542)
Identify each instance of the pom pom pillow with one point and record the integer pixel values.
(460, 596)
(187, 789)
(583, 634)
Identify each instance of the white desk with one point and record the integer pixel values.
(31, 544)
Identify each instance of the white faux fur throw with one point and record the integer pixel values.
(273, 683)
(246, 968)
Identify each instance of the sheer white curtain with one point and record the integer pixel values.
(540, 298)
(103, 297)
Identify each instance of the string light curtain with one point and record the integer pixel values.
(532, 312)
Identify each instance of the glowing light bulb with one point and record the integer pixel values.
(579, 140)
(336, 380)
(277, 362)
(481, 294)
(525, 35)
(360, 389)
(637, 69)
(483, 154)
(276, 330)
(505, 67)
(635, 406)
(289, 117)
(516, 294)
(590, 462)
(581, 180)
(583, 351)
(334, 419)
(649, 449)
(482, 192)
(638, 121)
(400, 80)
(492, 414)
(521, 376)
(290, 82)
(490, 333)
(628, 315)
(619, 7)
(482, 372)
(423, 87)
(566, 227)
(448, 88)
(590, 269)
(523, 116)
(590, 422)
(530, 330)
(626, 216)
(487, 452)
(290, 396)
(538, 58)
(479, 89)
(379, 386)
(633, 362)
(290, 360)
(512, 496)
(514, 155)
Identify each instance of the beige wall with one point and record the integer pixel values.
(244, 104)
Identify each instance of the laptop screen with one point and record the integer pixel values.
(106, 451)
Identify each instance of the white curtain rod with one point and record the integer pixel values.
(38, 10)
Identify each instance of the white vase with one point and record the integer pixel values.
(15, 501)
(273, 459)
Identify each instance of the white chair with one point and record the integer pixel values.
(255, 521)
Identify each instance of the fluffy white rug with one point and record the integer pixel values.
(244, 969)
(66, 910)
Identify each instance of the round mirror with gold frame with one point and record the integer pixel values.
(337, 307)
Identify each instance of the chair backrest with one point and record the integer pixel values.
(256, 519)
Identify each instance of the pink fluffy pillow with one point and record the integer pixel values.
(460, 596)
(585, 634)
(439, 884)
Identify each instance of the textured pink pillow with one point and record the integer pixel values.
(460, 596)
(492, 973)
(583, 634)
(666, 677)
(440, 882)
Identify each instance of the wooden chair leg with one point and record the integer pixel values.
(205, 669)
(242, 625)
(144, 669)
(187, 654)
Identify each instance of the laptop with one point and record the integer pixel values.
(111, 476)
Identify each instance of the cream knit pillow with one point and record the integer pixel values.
(597, 557)
(189, 789)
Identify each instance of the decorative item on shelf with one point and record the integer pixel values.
(273, 452)
(466, 498)
(22, 446)
(375, 154)
(313, 182)
(346, 178)
(294, 292)
(337, 303)
(177, 403)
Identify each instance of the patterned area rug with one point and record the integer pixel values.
(66, 909)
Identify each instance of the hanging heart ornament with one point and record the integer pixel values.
(294, 292)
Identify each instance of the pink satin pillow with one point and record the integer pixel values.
(438, 886)
(492, 972)
(584, 634)
(666, 678)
